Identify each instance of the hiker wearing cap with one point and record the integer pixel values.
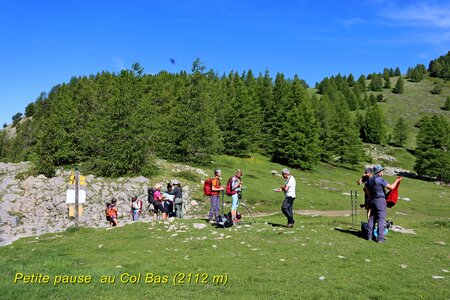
(376, 185)
(365, 179)
(178, 195)
(215, 196)
(289, 196)
(235, 190)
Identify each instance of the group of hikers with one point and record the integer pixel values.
(234, 188)
(168, 203)
(375, 200)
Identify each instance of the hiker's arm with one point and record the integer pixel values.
(221, 188)
(392, 186)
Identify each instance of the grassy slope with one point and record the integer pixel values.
(315, 260)
(413, 103)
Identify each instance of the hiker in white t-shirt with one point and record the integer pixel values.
(289, 196)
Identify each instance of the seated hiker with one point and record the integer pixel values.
(113, 213)
(158, 203)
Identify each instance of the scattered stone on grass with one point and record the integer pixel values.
(400, 229)
(403, 266)
(321, 277)
(199, 226)
(441, 243)
(438, 277)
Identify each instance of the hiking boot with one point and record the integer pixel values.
(211, 221)
(289, 225)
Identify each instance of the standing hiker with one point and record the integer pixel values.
(365, 179)
(158, 203)
(216, 188)
(377, 185)
(136, 207)
(289, 196)
(234, 187)
(178, 195)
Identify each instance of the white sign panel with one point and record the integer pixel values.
(70, 196)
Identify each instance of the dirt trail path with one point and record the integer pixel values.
(318, 213)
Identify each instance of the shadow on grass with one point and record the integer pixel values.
(277, 224)
(351, 231)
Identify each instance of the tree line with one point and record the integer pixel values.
(117, 124)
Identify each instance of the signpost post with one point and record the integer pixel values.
(77, 193)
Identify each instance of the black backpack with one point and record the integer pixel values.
(223, 221)
(151, 198)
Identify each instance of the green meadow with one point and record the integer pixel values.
(322, 257)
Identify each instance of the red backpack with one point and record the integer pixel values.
(207, 187)
(229, 190)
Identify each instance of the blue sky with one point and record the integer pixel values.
(44, 43)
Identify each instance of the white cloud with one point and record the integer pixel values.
(421, 14)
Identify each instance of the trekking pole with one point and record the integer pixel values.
(222, 200)
(356, 206)
(251, 215)
(351, 203)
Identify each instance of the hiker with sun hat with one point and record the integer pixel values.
(377, 185)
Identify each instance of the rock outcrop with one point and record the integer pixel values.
(32, 206)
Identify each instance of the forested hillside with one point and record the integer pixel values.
(116, 124)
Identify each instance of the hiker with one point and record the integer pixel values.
(108, 218)
(377, 185)
(216, 188)
(113, 213)
(364, 179)
(234, 187)
(289, 196)
(169, 200)
(178, 194)
(157, 204)
(135, 208)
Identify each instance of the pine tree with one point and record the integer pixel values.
(376, 84)
(298, 142)
(350, 80)
(433, 144)
(397, 72)
(323, 114)
(282, 104)
(243, 122)
(398, 89)
(264, 91)
(374, 128)
(447, 104)
(400, 134)
(362, 83)
(387, 79)
(197, 132)
(344, 136)
(120, 136)
(58, 142)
